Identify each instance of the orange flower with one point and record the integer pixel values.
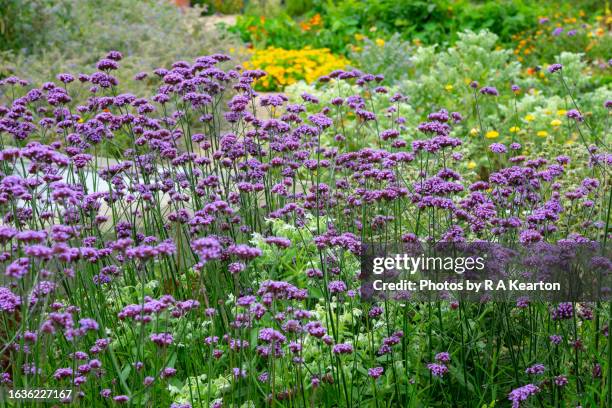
(314, 21)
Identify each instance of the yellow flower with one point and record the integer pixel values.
(542, 133)
(448, 87)
(380, 42)
(359, 37)
(561, 112)
(555, 122)
(514, 129)
(529, 117)
(492, 134)
(474, 131)
(285, 67)
(471, 165)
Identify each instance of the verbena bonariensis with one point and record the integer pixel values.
(215, 261)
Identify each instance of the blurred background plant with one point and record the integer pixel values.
(391, 58)
(544, 40)
(534, 114)
(150, 34)
(22, 24)
(220, 6)
(50, 36)
(270, 23)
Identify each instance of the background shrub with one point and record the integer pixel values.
(150, 33)
(220, 6)
(21, 24)
(430, 22)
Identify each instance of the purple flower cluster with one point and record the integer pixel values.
(208, 204)
(521, 394)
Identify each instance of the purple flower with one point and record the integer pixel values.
(61, 373)
(535, 369)
(106, 64)
(456, 117)
(65, 78)
(167, 372)
(320, 120)
(207, 248)
(563, 311)
(522, 393)
(437, 370)
(18, 268)
(561, 381)
(554, 68)
(375, 311)
(114, 55)
(376, 372)
(121, 399)
(529, 236)
(88, 324)
(498, 148)
(557, 31)
(574, 114)
(271, 336)
(443, 357)
(522, 302)
(244, 252)
(342, 348)
(162, 339)
(555, 339)
(238, 373)
(280, 242)
(337, 286)
(489, 90)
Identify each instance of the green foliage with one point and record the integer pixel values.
(298, 7)
(431, 22)
(21, 24)
(432, 77)
(281, 31)
(150, 34)
(391, 59)
(220, 6)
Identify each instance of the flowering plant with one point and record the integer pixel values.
(285, 67)
(215, 261)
